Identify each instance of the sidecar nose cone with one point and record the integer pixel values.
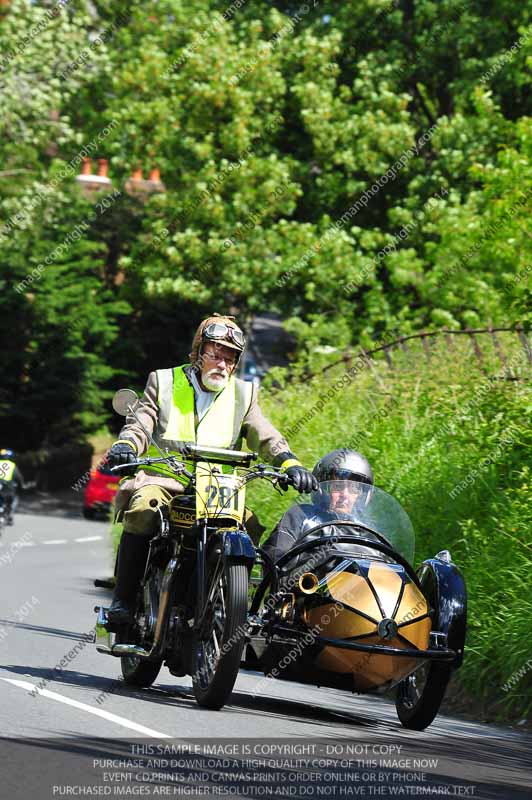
(387, 628)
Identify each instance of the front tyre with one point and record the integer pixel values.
(136, 671)
(419, 696)
(139, 672)
(218, 649)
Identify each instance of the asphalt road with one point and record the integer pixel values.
(83, 711)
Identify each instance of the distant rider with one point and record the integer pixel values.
(343, 472)
(11, 481)
(201, 402)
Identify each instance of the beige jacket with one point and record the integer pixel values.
(258, 432)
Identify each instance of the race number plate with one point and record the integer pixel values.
(219, 494)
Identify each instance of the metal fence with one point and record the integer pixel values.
(482, 340)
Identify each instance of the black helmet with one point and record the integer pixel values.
(343, 465)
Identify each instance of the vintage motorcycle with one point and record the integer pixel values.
(191, 610)
(344, 608)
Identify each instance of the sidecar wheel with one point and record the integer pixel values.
(218, 651)
(419, 696)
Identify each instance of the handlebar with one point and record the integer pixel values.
(195, 452)
(261, 470)
(179, 467)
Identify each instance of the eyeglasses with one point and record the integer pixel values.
(219, 330)
(214, 356)
(341, 486)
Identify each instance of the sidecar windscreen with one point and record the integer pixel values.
(367, 506)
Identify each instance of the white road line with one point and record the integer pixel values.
(58, 541)
(89, 539)
(126, 723)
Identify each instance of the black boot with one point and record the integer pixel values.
(132, 556)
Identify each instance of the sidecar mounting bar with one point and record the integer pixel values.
(383, 650)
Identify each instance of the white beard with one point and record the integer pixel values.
(212, 383)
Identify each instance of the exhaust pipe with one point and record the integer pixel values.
(103, 636)
(308, 583)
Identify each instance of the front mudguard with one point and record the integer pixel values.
(237, 545)
(445, 590)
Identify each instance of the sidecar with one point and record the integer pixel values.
(344, 608)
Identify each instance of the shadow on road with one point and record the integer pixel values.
(79, 637)
(287, 709)
(67, 677)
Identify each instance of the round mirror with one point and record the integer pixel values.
(124, 401)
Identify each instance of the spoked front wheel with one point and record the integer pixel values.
(137, 671)
(218, 648)
(419, 696)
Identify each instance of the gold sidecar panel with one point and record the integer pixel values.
(369, 670)
(412, 605)
(387, 584)
(417, 632)
(338, 623)
(339, 620)
(353, 590)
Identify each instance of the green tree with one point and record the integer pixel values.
(351, 166)
(58, 321)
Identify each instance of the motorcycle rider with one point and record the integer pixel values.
(344, 471)
(200, 402)
(11, 481)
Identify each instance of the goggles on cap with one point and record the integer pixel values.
(219, 330)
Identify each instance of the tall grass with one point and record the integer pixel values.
(426, 427)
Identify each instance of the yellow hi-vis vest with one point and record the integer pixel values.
(7, 468)
(219, 427)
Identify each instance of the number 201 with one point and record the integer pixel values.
(227, 494)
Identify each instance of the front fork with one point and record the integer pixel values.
(233, 545)
(201, 558)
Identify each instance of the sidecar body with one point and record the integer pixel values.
(344, 607)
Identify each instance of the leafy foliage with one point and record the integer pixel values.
(62, 317)
(357, 167)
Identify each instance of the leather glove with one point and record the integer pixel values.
(121, 453)
(302, 480)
